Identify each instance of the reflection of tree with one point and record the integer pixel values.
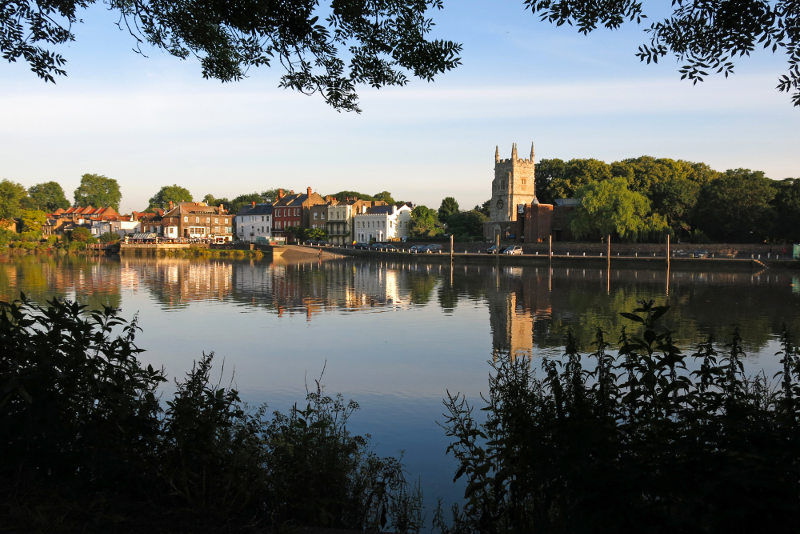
(94, 282)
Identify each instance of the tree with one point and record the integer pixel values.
(211, 200)
(81, 234)
(33, 220)
(169, 193)
(271, 195)
(341, 196)
(244, 200)
(447, 208)
(609, 207)
(577, 173)
(98, 191)
(787, 209)
(547, 170)
(467, 225)
(705, 36)
(384, 42)
(425, 223)
(11, 196)
(736, 207)
(48, 196)
(483, 208)
(384, 196)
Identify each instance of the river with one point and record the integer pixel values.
(396, 335)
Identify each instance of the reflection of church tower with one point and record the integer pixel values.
(518, 302)
(511, 324)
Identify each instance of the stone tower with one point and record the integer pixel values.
(513, 185)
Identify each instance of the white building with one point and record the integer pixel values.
(121, 228)
(254, 223)
(382, 223)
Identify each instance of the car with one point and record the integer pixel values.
(492, 250)
(417, 249)
(388, 247)
(361, 246)
(513, 250)
(433, 249)
(376, 246)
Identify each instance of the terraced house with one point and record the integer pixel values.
(197, 220)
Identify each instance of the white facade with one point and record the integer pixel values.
(121, 228)
(382, 223)
(254, 224)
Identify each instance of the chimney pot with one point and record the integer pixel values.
(308, 191)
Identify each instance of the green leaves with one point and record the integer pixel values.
(632, 438)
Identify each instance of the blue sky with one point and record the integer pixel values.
(154, 121)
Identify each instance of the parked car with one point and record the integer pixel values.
(361, 246)
(376, 246)
(435, 248)
(513, 250)
(388, 247)
(492, 250)
(417, 249)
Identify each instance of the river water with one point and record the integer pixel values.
(396, 335)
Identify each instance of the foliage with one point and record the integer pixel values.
(244, 200)
(11, 197)
(271, 195)
(109, 237)
(385, 196)
(211, 200)
(98, 191)
(341, 196)
(483, 208)
(425, 223)
(447, 208)
(48, 196)
(317, 234)
(382, 42)
(467, 225)
(169, 193)
(81, 234)
(33, 220)
(633, 439)
(576, 174)
(736, 207)
(706, 37)
(609, 207)
(87, 446)
(786, 204)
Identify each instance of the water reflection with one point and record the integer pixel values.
(528, 307)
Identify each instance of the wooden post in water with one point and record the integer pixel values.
(451, 249)
(667, 251)
(497, 248)
(550, 246)
(608, 264)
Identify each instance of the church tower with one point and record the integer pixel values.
(513, 184)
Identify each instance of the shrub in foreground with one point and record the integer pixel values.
(86, 444)
(633, 441)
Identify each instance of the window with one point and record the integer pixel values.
(197, 219)
(185, 218)
(216, 220)
(315, 217)
(208, 219)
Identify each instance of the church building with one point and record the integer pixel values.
(515, 214)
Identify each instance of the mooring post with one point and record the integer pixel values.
(451, 249)
(667, 251)
(550, 246)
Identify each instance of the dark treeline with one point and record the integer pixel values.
(691, 200)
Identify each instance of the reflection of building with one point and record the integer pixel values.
(516, 304)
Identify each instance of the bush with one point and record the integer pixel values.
(635, 441)
(86, 444)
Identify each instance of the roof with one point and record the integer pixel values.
(192, 207)
(567, 202)
(258, 209)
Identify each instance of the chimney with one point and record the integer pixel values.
(308, 192)
(254, 203)
(280, 194)
(220, 209)
(170, 205)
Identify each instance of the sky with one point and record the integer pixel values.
(154, 121)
